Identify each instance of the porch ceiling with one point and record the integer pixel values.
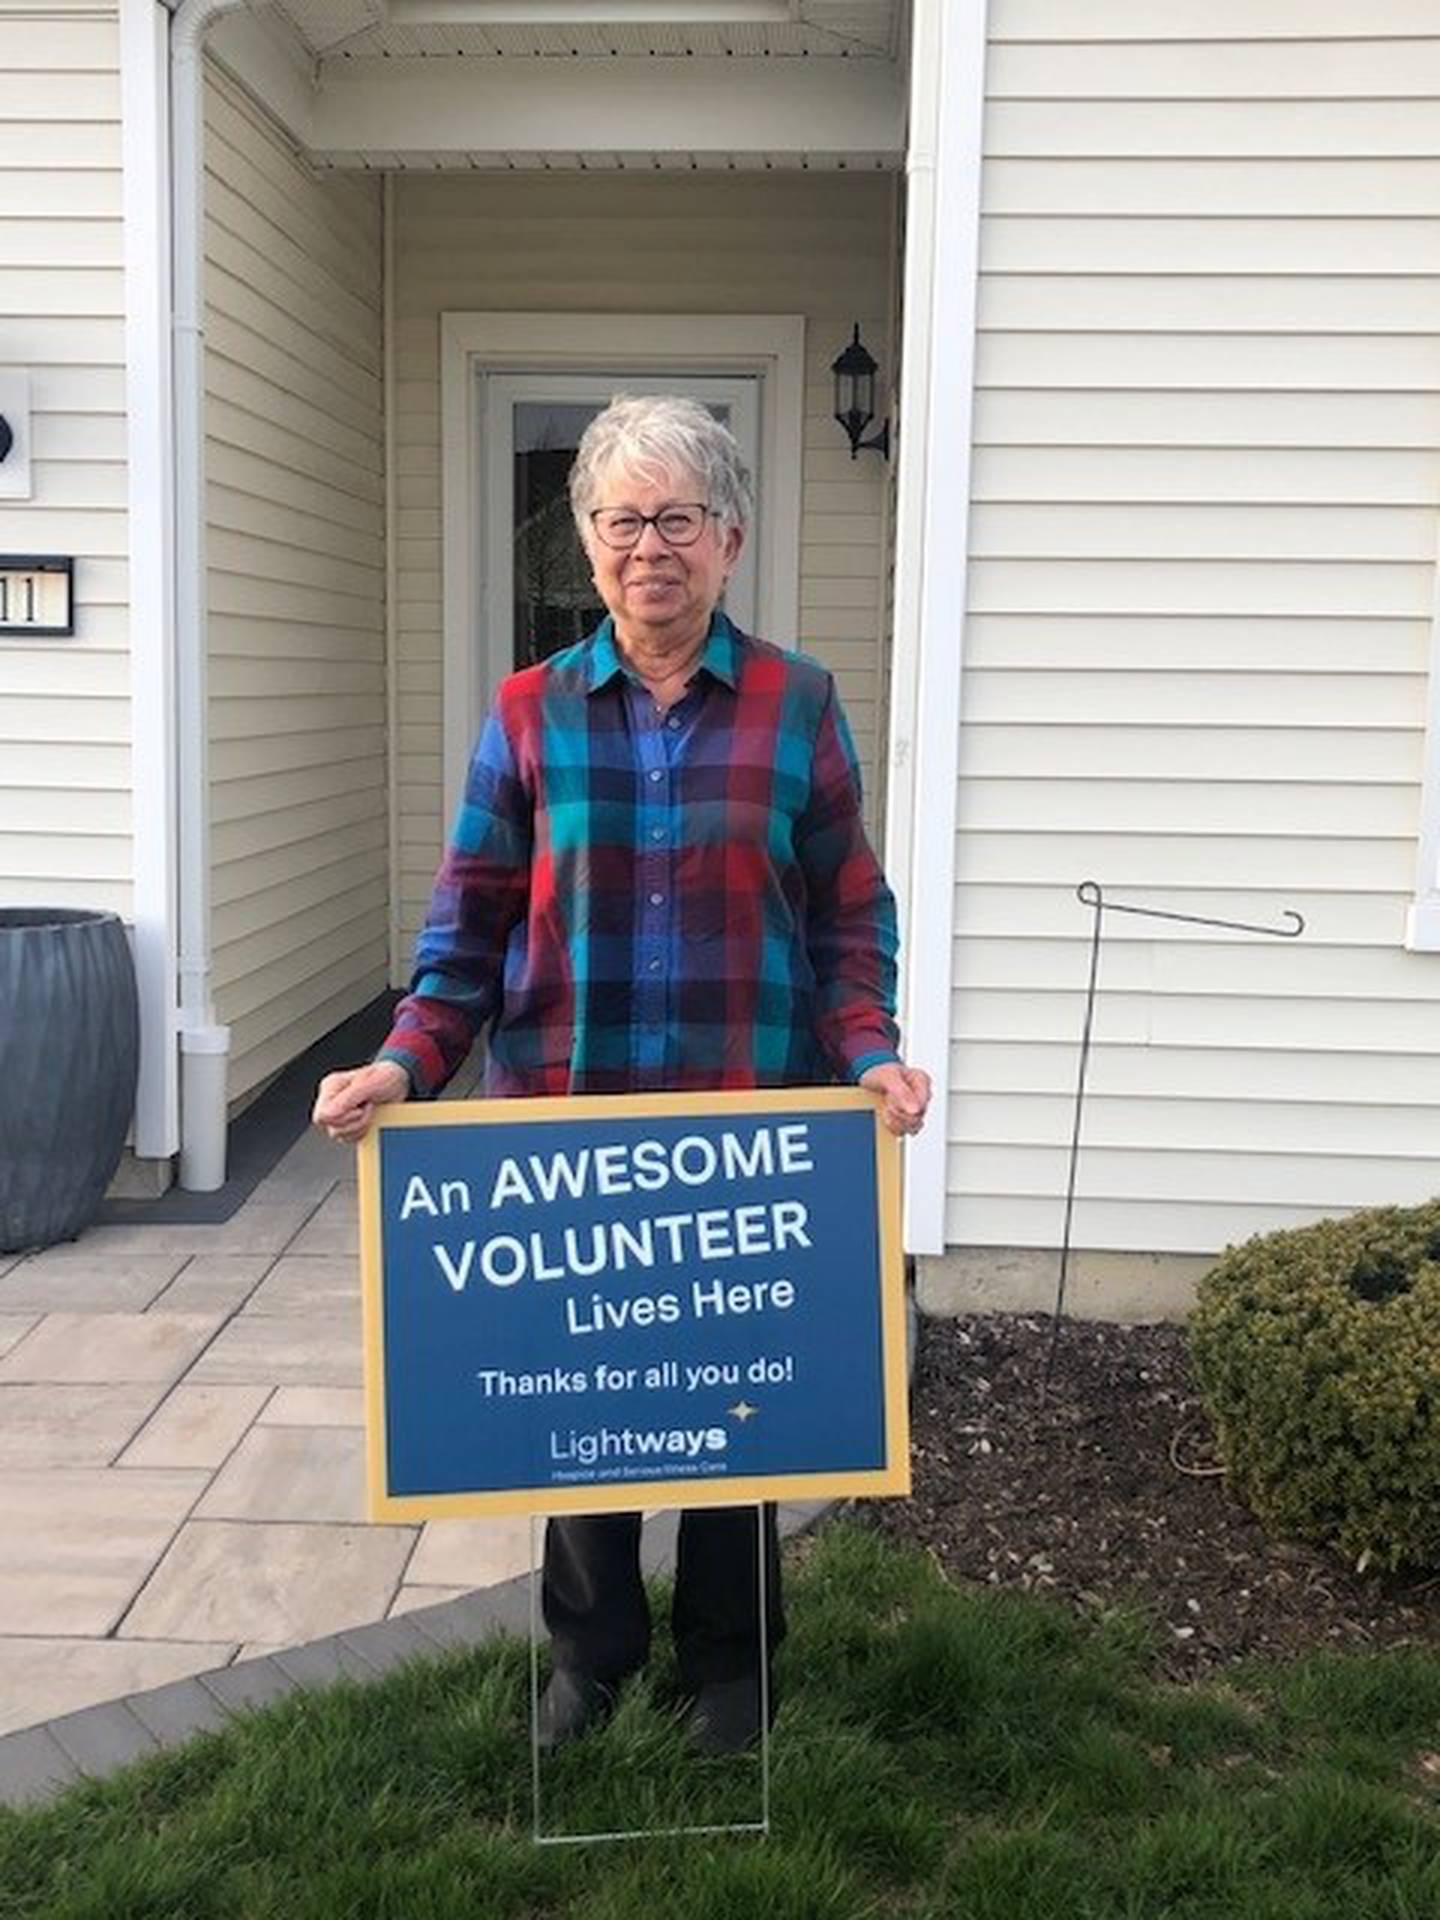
(562, 85)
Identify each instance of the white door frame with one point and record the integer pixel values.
(771, 345)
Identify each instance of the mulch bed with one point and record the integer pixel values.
(1105, 1495)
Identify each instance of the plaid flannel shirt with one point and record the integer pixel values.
(635, 899)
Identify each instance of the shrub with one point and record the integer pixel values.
(1318, 1356)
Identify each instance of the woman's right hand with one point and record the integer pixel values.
(345, 1102)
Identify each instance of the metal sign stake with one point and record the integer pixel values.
(760, 1826)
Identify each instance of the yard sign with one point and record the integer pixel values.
(579, 1305)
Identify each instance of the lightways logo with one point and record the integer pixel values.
(681, 1450)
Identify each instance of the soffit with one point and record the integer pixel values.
(356, 30)
(660, 160)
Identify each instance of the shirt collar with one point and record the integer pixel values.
(720, 657)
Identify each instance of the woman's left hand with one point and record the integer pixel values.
(905, 1092)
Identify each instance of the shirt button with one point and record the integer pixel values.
(654, 966)
(655, 773)
(672, 723)
(657, 833)
(657, 899)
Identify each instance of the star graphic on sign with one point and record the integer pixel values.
(743, 1411)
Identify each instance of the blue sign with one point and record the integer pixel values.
(660, 1300)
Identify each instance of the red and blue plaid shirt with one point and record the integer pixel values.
(643, 899)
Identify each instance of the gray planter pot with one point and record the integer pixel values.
(69, 1056)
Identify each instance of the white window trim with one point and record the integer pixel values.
(1422, 922)
(772, 345)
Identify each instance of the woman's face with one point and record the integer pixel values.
(660, 594)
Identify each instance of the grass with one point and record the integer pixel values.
(940, 1755)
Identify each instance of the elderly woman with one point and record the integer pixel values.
(658, 880)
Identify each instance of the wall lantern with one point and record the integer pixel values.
(854, 372)
(14, 434)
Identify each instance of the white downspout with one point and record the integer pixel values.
(204, 1045)
(397, 957)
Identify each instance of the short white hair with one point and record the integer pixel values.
(658, 437)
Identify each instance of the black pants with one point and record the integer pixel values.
(595, 1607)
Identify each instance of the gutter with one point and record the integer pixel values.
(204, 1044)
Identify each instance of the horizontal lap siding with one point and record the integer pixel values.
(65, 770)
(1203, 548)
(817, 246)
(296, 558)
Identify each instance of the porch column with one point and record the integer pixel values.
(947, 96)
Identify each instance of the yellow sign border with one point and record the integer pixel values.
(892, 1478)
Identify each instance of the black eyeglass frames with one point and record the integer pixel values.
(679, 525)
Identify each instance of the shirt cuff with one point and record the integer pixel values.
(402, 1058)
(878, 1057)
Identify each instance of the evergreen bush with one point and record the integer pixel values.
(1318, 1356)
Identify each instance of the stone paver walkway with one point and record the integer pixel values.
(181, 1452)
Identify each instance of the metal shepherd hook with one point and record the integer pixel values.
(1091, 894)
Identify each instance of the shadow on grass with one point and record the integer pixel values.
(940, 1754)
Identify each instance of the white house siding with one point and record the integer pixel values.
(811, 244)
(296, 559)
(1203, 575)
(65, 809)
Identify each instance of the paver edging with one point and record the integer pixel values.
(34, 1767)
(41, 1761)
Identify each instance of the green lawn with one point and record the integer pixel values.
(939, 1753)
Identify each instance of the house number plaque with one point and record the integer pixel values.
(36, 595)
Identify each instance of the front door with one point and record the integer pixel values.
(536, 591)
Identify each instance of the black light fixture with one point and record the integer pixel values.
(7, 437)
(854, 372)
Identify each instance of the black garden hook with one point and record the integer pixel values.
(1091, 894)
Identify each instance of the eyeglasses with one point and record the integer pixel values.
(622, 527)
